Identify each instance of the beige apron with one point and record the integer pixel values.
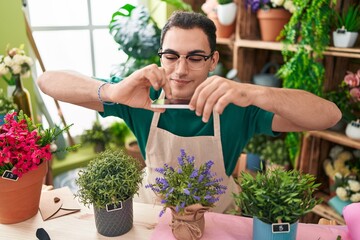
(164, 147)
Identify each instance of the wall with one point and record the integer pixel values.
(13, 33)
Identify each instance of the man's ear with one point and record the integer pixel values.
(214, 60)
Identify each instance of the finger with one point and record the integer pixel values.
(194, 98)
(203, 97)
(165, 83)
(154, 76)
(212, 100)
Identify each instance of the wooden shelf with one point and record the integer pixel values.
(335, 137)
(278, 46)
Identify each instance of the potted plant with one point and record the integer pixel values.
(97, 135)
(118, 131)
(226, 12)
(211, 9)
(25, 150)
(347, 27)
(108, 183)
(189, 192)
(276, 200)
(273, 15)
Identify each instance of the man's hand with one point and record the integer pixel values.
(134, 90)
(216, 93)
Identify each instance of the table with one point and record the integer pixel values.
(147, 225)
(81, 226)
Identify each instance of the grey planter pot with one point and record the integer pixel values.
(263, 231)
(114, 222)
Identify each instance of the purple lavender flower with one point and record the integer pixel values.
(194, 174)
(191, 159)
(180, 161)
(160, 170)
(186, 191)
(197, 198)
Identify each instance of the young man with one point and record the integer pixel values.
(224, 114)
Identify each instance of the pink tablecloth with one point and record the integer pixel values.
(227, 227)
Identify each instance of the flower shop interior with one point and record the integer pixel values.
(316, 48)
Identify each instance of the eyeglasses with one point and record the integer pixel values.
(195, 61)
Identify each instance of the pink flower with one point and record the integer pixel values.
(22, 147)
(352, 79)
(355, 94)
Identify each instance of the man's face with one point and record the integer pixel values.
(183, 78)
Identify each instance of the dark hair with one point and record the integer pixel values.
(190, 20)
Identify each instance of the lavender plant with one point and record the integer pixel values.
(187, 185)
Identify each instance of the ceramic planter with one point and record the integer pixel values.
(222, 31)
(344, 39)
(226, 13)
(114, 221)
(265, 231)
(353, 130)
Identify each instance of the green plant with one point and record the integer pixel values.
(349, 20)
(223, 2)
(6, 103)
(275, 151)
(138, 36)
(256, 144)
(118, 132)
(308, 30)
(96, 135)
(276, 195)
(112, 176)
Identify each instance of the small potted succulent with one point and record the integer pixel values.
(109, 183)
(189, 192)
(276, 200)
(347, 27)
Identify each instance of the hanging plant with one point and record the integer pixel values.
(309, 29)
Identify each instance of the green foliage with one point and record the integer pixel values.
(268, 148)
(340, 98)
(309, 29)
(97, 134)
(276, 195)
(111, 177)
(6, 103)
(349, 20)
(222, 2)
(118, 132)
(137, 35)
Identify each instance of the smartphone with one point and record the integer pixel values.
(171, 103)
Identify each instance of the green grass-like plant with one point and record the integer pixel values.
(6, 103)
(112, 176)
(222, 2)
(276, 195)
(349, 20)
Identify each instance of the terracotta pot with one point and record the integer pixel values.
(222, 31)
(271, 22)
(19, 200)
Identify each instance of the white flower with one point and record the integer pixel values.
(289, 5)
(3, 69)
(342, 193)
(277, 3)
(355, 197)
(354, 185)
(16, 69)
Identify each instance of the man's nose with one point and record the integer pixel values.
(182, 66)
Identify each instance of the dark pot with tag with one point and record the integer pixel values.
(267, 79)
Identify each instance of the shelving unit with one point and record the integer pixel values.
(250, 54)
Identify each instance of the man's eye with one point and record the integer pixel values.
(195, 58)
(171, 57)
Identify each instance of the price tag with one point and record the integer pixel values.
(280, 227)
(10, 176)
(113, 207)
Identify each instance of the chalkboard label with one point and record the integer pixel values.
(280, 227)
(10, 176)
(113, 207)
